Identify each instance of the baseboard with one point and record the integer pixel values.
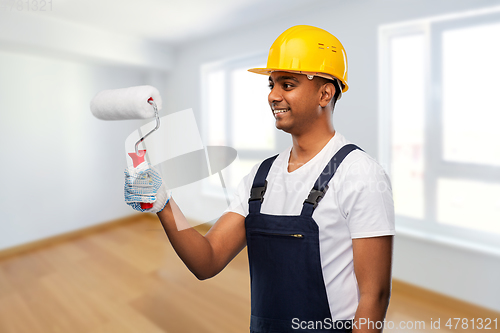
(442, 300)
(15, 250)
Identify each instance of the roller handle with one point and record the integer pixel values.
(138, 159)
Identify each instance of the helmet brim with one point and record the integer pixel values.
(264, 71)
(268, 71)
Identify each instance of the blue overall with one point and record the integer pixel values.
(287, 286)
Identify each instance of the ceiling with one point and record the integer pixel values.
(171, 21)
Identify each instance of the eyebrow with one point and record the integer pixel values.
(283, 78)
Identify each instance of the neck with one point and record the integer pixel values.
(307, 145)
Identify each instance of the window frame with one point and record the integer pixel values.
(429, 228)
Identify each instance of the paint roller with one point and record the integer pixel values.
(141, 102)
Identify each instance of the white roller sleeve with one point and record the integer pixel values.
(126, 103)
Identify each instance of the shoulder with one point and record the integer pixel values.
(360, 170)
(361, 162)
(358, 163)
(363, 182)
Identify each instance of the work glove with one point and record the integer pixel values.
(144, 184)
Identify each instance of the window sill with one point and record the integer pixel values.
(452, 242)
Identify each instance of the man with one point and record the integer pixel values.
(318, 218)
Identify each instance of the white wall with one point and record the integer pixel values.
(62, 169)
(36, 33)
(471, 276)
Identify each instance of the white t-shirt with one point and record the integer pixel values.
(357, 204)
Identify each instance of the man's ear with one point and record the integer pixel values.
(327, 91)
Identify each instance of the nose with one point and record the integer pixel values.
(274, 96)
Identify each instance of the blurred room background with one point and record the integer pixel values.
(423, 77)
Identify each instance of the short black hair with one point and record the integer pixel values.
(338, 91)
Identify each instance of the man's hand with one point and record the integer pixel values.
(144, 184)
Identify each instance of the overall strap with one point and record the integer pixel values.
(321, 184)
(259, 185)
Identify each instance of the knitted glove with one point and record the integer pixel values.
(144, 184)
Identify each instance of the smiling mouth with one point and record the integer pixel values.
(276, 111)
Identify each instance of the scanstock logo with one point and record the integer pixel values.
(177, 151)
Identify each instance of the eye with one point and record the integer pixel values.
(271, 86)
(287, 85)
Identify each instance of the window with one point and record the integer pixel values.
(234, 111)
(439, 116)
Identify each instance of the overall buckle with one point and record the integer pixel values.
(315, 196)
(257, 193)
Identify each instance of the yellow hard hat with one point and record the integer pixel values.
(307, 50)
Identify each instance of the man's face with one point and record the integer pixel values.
(294, 101)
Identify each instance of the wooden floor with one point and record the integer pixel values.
(129, 279)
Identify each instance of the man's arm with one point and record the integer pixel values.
(372, 259)
(205, 256)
